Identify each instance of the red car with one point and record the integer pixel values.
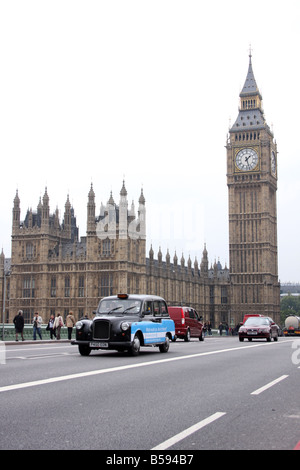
(259, 327)
(187, 323)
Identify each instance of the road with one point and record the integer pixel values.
(216, 394)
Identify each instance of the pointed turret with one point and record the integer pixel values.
(204, 262)
(56, 218)
(151, 253)
(142, 216)
(182, 261)
(91, 210)
(67, 218)
(45, 210)
(39, 212)
(142, 199)
(251, 114)
(111, 201)
(250, 87)
(123, 192)
(159, 255)
(16, 213)
(123, 213)
(2, 260)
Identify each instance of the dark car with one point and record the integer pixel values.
(125, 323)
(187, 323)
(259, 327)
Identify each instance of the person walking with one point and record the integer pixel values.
(70, 323)
(19, 324)
(51, 328)
(58, 323)
(37, 323)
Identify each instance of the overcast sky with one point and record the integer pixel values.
(101, 91)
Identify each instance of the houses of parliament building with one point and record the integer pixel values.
(51, 270)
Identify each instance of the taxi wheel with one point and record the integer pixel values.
(84, 350)
(135, 348)
(165, 347)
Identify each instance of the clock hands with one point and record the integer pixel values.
(246, 159)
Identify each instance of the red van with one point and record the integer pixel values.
(247, 315)
(187, 323)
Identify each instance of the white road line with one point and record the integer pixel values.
(130, 366)
(187, 432)
(265, 387)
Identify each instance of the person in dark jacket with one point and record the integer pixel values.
(19, 325)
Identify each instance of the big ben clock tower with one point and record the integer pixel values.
(252, 186)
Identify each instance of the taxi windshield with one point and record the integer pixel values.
(119, 306)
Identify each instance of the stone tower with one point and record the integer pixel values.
(252, 186)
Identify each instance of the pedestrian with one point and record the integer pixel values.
(209, 328)
(50, 327)
(58, 323)
(19, 324)
(85, 317)
(37, 323)
(70, 322)
(226, 328)
(221, 328)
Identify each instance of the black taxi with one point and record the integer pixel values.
(125, 322)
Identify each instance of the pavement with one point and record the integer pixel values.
(37, 341)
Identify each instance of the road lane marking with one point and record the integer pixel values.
(187, 432)
(270, 384)
(126, 367)
(44, 356)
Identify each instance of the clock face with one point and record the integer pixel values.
(273, 163)
(246, 159)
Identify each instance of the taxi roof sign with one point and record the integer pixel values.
(122, 296)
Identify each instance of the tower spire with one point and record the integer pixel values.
(250, 87)
(251, 114)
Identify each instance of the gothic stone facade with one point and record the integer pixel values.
(52, 271)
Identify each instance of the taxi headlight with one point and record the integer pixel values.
(79, 325)
(125, 326)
